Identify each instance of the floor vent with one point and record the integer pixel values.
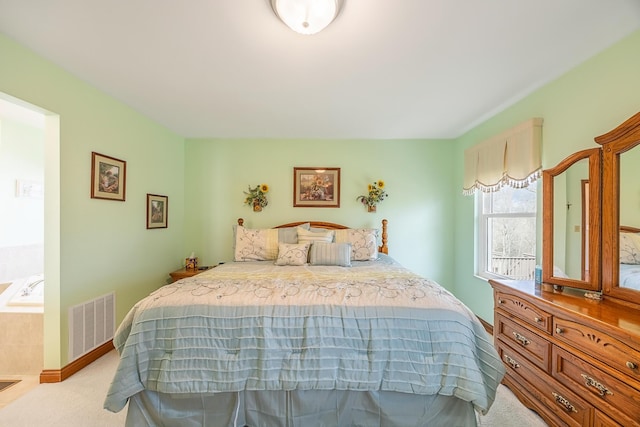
(91, 324)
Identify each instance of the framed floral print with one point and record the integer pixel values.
(157, 211)
(316, 187)
(108, 177)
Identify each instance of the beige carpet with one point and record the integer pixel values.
(77, 402)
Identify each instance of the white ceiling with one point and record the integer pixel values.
(382, 69)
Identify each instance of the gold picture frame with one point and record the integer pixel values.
(316, 187)
(157, 211)
(108, 177)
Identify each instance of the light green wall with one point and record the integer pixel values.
(588, 101)
(630, 188)
(103, 246)
(416, 173)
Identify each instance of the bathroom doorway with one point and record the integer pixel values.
(22, 176)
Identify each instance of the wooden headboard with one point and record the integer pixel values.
(629, 229)
(384, 248)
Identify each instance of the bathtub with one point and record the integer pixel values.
(24, 295)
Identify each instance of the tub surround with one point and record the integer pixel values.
(22, 339)
(21, 330)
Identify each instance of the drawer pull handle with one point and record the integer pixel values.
(537, 319)
(631, 365)
(559, 330)
(523, 340)
(500, 301)
(590, 382)
(512, 362)
(560, 400)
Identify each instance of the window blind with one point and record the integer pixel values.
(511, 158)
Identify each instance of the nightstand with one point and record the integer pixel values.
(184, 273)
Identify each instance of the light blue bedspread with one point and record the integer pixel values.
(630, 276)
(257, 326)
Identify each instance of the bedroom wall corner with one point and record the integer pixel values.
(585, 102)
(103, 245)
(417, 174)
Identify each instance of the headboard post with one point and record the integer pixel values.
(384, 248)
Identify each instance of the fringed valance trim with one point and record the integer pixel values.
(505, 181)
(511, 158)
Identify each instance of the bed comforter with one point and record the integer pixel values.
(375, 326)
(630, 276)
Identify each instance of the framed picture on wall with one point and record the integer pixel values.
(316, 187)
(108, 177)
(157, 211)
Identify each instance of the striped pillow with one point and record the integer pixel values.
(313, 236)
(322, 253)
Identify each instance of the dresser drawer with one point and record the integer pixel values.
(602, 420)
(595, 385)
(559, 401)
(516, 363)
(604, 347)
(524, 310)
(567, 405)
(531, 345)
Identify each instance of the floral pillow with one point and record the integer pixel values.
(256, 245)
(285, 235)
(292, 253)
(630, 248)
(364, 242)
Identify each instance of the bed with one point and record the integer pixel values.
(629, 257)
(338, 335)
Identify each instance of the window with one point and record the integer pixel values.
(506, 233)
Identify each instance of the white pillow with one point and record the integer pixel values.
(322, 253)
(256, 245)
(292, 253)
(364, 242)
(311, 236)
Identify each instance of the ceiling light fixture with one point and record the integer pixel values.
(307, 16)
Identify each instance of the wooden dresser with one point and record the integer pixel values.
(573, 360)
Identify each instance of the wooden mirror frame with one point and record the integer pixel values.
(619, 140)
(548, 175)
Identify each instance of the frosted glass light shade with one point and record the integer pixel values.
(306, 16)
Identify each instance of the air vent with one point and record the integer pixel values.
(91, 324)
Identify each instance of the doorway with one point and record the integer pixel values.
(29, 157)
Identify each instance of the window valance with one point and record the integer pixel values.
(512, 158)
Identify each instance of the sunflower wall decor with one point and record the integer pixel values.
(257, 197)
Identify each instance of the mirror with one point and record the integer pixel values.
(621, 211)
(571, 222)
(629, 214)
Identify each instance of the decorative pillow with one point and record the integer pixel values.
(256, 245)
(290, 234)
(285, 235)
(630, 248)
(311, 236)
(292, 253)
(322, 253)
(364, 242)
